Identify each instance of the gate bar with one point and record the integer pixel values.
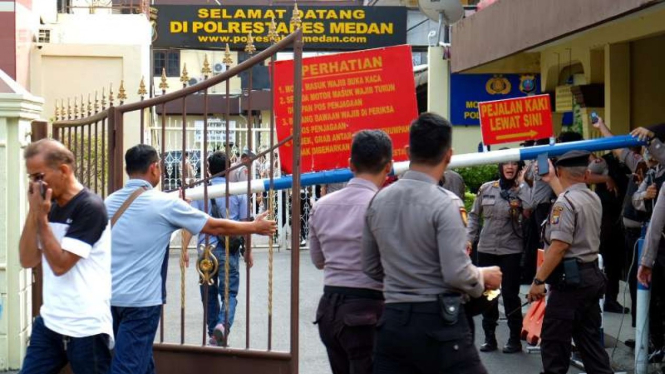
(295, 205)
(465, 160)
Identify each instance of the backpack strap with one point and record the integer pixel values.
(214, 209)
(127, 203)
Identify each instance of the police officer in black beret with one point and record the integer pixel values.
(572, 238)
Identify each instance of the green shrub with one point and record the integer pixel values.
(475, 176)
(469, 198)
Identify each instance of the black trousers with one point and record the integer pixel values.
(347, 327)
(510, 292)
(613, 250)
(412, 338)
(575, 313)
(533, 241)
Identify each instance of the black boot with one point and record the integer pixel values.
(490, 342)
(514, 345)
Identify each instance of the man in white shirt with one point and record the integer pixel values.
(68, 232)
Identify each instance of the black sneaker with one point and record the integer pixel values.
(513, 346)
(490, 345)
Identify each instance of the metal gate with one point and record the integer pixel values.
(97, 142)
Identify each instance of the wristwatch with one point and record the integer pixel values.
(538, 282)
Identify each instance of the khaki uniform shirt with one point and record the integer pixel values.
(501, 232)
(414, 240)
(239, 174)
(575, 219)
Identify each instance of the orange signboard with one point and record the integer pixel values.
(516, 120)
(342, 94)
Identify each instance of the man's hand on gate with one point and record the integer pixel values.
(492, 277)
(644, 275)
(264, 226)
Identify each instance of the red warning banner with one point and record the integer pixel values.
(342, 94)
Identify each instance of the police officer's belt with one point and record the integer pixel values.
(354, 293)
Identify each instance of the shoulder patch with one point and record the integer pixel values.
(556, 214)
(495, 184)
(464, 215)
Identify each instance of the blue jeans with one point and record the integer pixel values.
(134, 330)
(216, 310)
(49, 352)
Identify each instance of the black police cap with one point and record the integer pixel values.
(574, 158)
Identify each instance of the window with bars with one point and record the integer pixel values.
(169, 60)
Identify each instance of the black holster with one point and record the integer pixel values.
(567, 274)
(449, 307)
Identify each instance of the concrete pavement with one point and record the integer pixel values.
(313, 359)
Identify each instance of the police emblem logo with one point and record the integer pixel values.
(498, 85)
(464, 215)
(528, 84)
(556, 214)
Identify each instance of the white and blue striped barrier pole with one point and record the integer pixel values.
(642, 319)
(465, 160)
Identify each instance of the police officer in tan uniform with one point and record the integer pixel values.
(413, 241)
(501, 205)
(572, 238)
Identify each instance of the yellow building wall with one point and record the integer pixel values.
(70, 71)
(193, 60)
(617, 87)
(624, 55)
(647, 85)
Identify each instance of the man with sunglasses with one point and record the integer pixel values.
(67, 231)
